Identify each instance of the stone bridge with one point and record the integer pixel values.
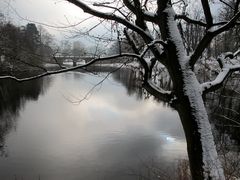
(73, 59)
(85, 59)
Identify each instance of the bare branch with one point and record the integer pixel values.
(147, 15)
(236, 8)
(99, 83)
(207, 13)
(49, 25)
(109, 16)
(145, 4)
(48, 73)
(191, 21)
(177, 2)
(227, 26)
(152, 45)
(140, 22)
(226, 4)
(211, 33)
(115, 8)
(32, 65)
(225, 117)
(224, 22)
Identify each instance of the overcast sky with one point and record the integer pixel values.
(52, 12)
(44, 10)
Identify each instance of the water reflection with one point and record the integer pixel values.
(13, 98)
(103, 137)
(129, 80)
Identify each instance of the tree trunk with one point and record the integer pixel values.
(203, 157)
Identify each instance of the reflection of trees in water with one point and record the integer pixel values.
(127, 77)
(224, 107)
(224, 110)
(13, 97)
(98, 69)
(129, 80)
(132, 81)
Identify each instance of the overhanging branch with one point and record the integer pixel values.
(109, 16)
(48, 73)
(226, 71)
(154, 90)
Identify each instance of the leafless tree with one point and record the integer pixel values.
(168, 49)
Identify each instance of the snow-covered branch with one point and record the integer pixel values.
(226, 71)
(236, 53)
(158, 92)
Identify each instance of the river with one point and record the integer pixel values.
(61, 128)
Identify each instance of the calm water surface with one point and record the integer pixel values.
(46, 134)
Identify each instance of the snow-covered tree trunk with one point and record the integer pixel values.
(202, 152)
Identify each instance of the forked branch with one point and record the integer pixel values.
(207, 13)
(211, 33)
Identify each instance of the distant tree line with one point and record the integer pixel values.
(23, 46)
